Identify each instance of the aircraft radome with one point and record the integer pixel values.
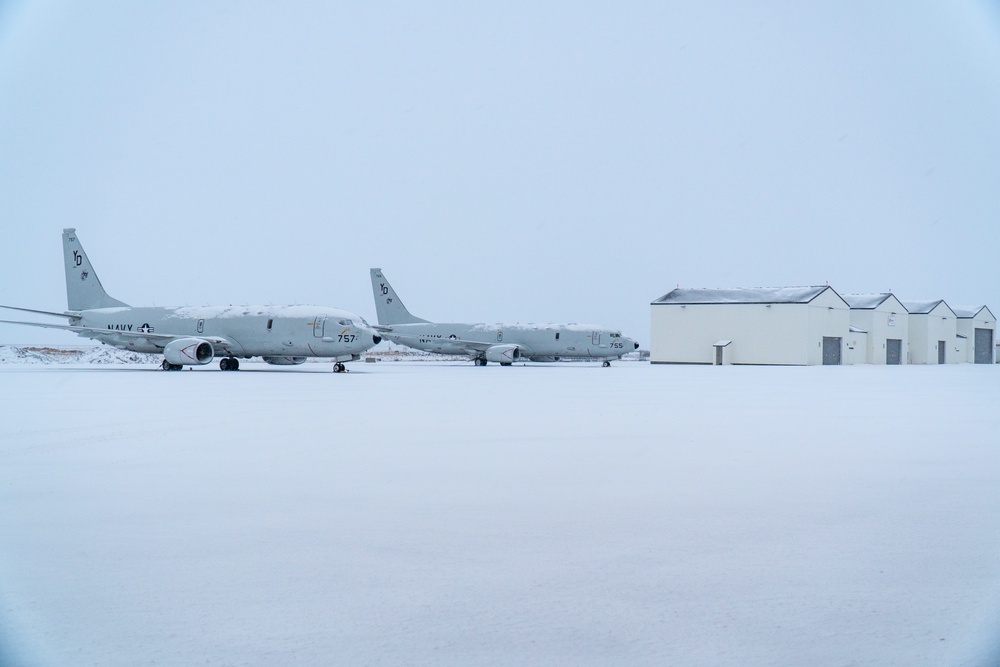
(194, 336)
(501, 343)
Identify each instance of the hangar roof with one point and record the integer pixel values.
(924, 307)
(701, 295)
(970, 312)
(867, 301)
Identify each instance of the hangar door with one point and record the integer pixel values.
(831, 351)
(893, 351)
(984, 346)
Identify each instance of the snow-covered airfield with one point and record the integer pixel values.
(439, 513)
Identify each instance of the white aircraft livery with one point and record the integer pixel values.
(501, 343)
(194, 336)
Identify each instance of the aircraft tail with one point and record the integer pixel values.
(83, 288)
(388, 307)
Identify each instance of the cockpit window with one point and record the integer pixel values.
(346, 323)
(616, 335)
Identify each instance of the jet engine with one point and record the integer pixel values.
(504, 355)
(285, 361)
(189, 352)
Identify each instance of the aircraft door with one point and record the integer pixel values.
(596, 338)
(319, 324)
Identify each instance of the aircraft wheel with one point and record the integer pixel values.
(165, 365)
(234, 364)
(339, 367)
(480, 362)
(606, 364)
(223, 364)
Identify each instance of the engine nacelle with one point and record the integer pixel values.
(285, 361)
(189, 352)
(503, 354)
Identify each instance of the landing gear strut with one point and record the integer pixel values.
(229, 364)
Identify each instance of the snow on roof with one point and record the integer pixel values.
(685, 295)
(970, 312)
(866, 301)
(923, 307)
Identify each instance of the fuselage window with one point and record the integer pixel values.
(270, 323)
(557, 335)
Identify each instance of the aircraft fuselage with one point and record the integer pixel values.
(247, 331)
(537, 342)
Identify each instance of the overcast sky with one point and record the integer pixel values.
(545, 162)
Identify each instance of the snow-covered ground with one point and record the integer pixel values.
(418, 513)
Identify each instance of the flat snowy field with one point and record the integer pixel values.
(439, 513)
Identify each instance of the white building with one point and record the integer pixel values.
(879, 329)
(933, 332)
(978, 326)
(775, 326)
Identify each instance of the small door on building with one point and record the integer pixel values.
(718, 355)
(984, 346)
(940, 351)
(894, 351)
(831, 351)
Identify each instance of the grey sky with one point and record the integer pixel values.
(500, 161)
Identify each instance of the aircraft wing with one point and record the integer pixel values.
(100, 334)
(40, 312)
(470, 347)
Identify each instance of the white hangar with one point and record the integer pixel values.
(933, 333)
(879, 329)
(976, 327)
(793, 326)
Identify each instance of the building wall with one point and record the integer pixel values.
(925, 332)
(888, 320)
(967, 327)
(962, 345)
(760, 334)
(856, 347)
(771, 334)
(828, 316)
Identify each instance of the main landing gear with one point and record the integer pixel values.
(339, 367)
(229, 364)
(480, 361)
(167, 366)
(606, 364)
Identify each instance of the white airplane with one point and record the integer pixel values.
(500, 343)
(193, 336)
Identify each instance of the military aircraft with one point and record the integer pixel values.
(195, 335)
(500, 343)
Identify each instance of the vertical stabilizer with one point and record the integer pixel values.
(389, 309)
(83, 289)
